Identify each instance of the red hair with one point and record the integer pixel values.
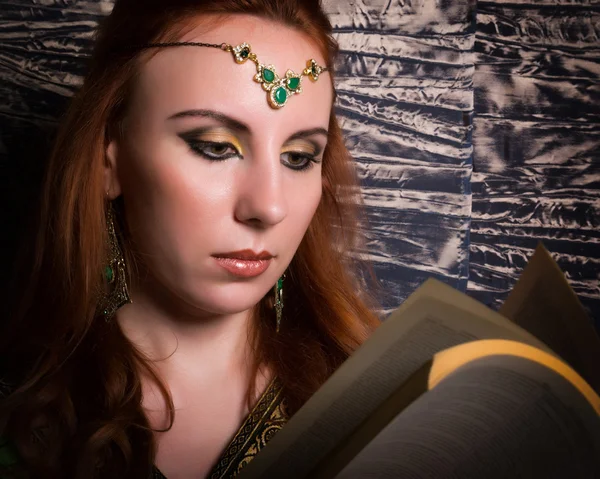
(75, 404)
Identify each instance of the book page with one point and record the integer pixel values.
(359, 438)
(543, 303)
(496, 417)
(434, 318)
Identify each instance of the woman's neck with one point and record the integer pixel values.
(181, 340)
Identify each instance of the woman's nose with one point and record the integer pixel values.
(261, 195)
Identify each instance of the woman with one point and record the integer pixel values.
(190, 279)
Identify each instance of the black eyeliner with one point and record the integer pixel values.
(312, 160)
(195, 144)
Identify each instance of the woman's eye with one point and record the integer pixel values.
(298, 161)
(214, 150)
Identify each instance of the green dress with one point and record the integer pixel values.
(268, 416)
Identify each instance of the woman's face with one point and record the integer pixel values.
(211, 175)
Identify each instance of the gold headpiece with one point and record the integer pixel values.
(278, 89)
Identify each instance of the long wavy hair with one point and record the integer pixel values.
(74, 406)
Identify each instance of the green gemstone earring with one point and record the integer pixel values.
(279, 301)
(115, 292)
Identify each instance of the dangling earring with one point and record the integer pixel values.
(279, 300)
(116, 293)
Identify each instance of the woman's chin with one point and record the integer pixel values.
(222, 301)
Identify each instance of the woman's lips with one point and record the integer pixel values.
(245, 263)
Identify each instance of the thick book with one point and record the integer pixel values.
(446, 387)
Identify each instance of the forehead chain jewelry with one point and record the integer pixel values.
(278, 89)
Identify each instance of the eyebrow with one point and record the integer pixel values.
(238, 125)
(310, 132)
(215, 115)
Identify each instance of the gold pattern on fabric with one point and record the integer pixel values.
(268, 416)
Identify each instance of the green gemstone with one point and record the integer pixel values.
(314, 69)
(244, 53)
(293, 83)
(279, 284)
(108, 274)
(268, 75)
(280, 95)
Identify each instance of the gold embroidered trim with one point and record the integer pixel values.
(268, 416)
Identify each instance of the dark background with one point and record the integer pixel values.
(474, 125)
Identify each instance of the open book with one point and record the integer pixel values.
(447, 388)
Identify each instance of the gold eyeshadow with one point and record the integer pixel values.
(302, 147)
(224, 135)
(217, 135)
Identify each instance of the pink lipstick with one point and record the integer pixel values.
(245, 263)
